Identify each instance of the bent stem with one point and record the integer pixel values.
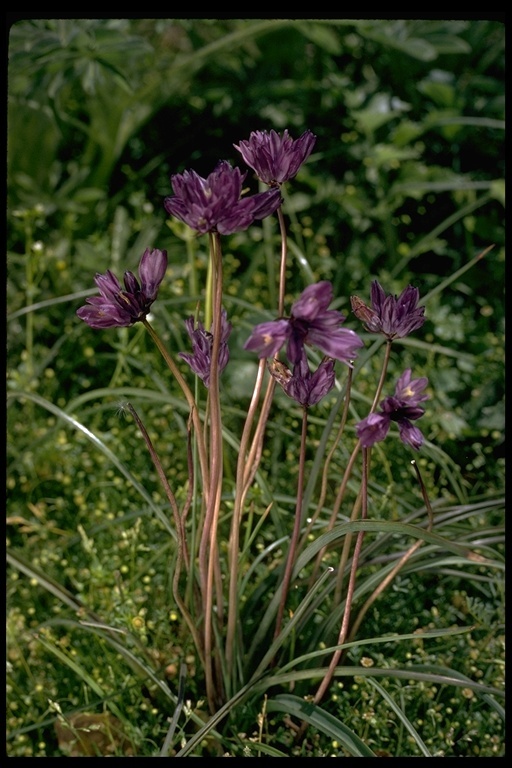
(234, 537)
(254, 456)
(296, 527)
(198, 427)
(182, 553)
(248, 463)
(327, 463)
(348, 541)
(391, 575)
(336, 507)
(350, 594)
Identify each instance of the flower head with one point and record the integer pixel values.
(311, 323)
(214, 204)
(403, 408)
(118, 306)
(303, 386)
(276, 158)
(394, 317)
(202, 343)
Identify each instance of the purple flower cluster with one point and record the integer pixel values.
(302, 385)
(202, 342)
(214, 203)
(311, 323)
(276, 158)
(118, 306)
(394, 317)
(403, 408)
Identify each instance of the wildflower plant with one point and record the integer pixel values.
(312, 354)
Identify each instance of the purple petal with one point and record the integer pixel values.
(276, 158)
(410, 435)
(409, 390)
(313, 300)
(108, 284)
(98, 313)
(341, 344)
(373, 429)
(215, 204)
(268, 338)
(152, 268)
(131, 283)
(398, 317)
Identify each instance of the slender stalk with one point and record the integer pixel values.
(234, 537)
(337, 504)
(254, 456)
(290, 561)
(248, 463)
(255, 452)
(182, 554)
(341, 492)
(383, 373)
(400, 564)
(284, 256)
(350, 594)
(190, 400)
(345, 553)
(182, 545)
(325, 471)
(192, 499)
(208, 552)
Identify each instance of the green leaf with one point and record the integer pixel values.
(323, 721)
(256, 749)
(441, 93)
(401, 716)
(415, 47)
(444, 43)
(497, 190)
(323, 37)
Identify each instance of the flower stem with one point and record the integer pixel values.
(182, 554)
(247, 466)
(296, 528)
(348, 540)
(190, 400)
(383, 373)
(234, 537)
(282, 268)
(325, 470)
(208, 551)
(350, 593)
(405, 557)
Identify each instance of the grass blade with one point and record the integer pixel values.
(323, 721)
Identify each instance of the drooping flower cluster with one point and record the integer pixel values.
(276, 158)
(215, 204)
(403, 408)
(304, 386)
(202, 342)
(311, 323)
(118, 306)
(394, 317)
